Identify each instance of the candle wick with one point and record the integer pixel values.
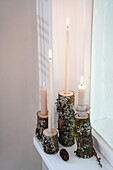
(43, 83)
(50, 58)
(67, 27)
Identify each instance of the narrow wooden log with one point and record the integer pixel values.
(65, 103)
(83, 135)
(50, 141)
(42, 123)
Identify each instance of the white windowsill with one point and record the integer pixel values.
(54, 162)
(103, 147)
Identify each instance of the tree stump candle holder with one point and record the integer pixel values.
(82, 131)
(42, 123)
(65, 111)
(50, 141)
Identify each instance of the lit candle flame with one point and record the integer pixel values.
(43, 83)
(67, 23)
(81, 80)
(50, 54)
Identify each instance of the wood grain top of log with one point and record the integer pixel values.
(50, 134)
(63, 93)
(42, 116)
(86, 116)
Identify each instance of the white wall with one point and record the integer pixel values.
(18, 85)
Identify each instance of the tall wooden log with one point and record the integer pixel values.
(65, 110)
(82, 131)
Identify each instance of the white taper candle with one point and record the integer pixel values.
(81, 93)
(50, 93)
(67, 57)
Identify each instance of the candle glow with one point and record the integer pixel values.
(81, 80)
(50, 54)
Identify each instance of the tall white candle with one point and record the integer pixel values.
(67, 57)
(50, 93)
(43, 100)
(81, 93)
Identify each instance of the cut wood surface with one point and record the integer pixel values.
(47, 133)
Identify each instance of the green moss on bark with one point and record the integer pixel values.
(65, 113)
(82, 131)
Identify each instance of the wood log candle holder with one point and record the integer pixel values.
(65, 111)
(50, 141)
(42, 123)
(83, 135)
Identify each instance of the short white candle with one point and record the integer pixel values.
(81, 93)
(43, 99)
(67, 57)
(50, 93)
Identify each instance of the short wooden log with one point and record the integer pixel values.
(50, 141)
(65, 110)
(42, 123)
(83, 135)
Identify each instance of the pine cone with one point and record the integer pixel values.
(64, 154)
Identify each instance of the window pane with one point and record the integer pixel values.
(102, 69)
